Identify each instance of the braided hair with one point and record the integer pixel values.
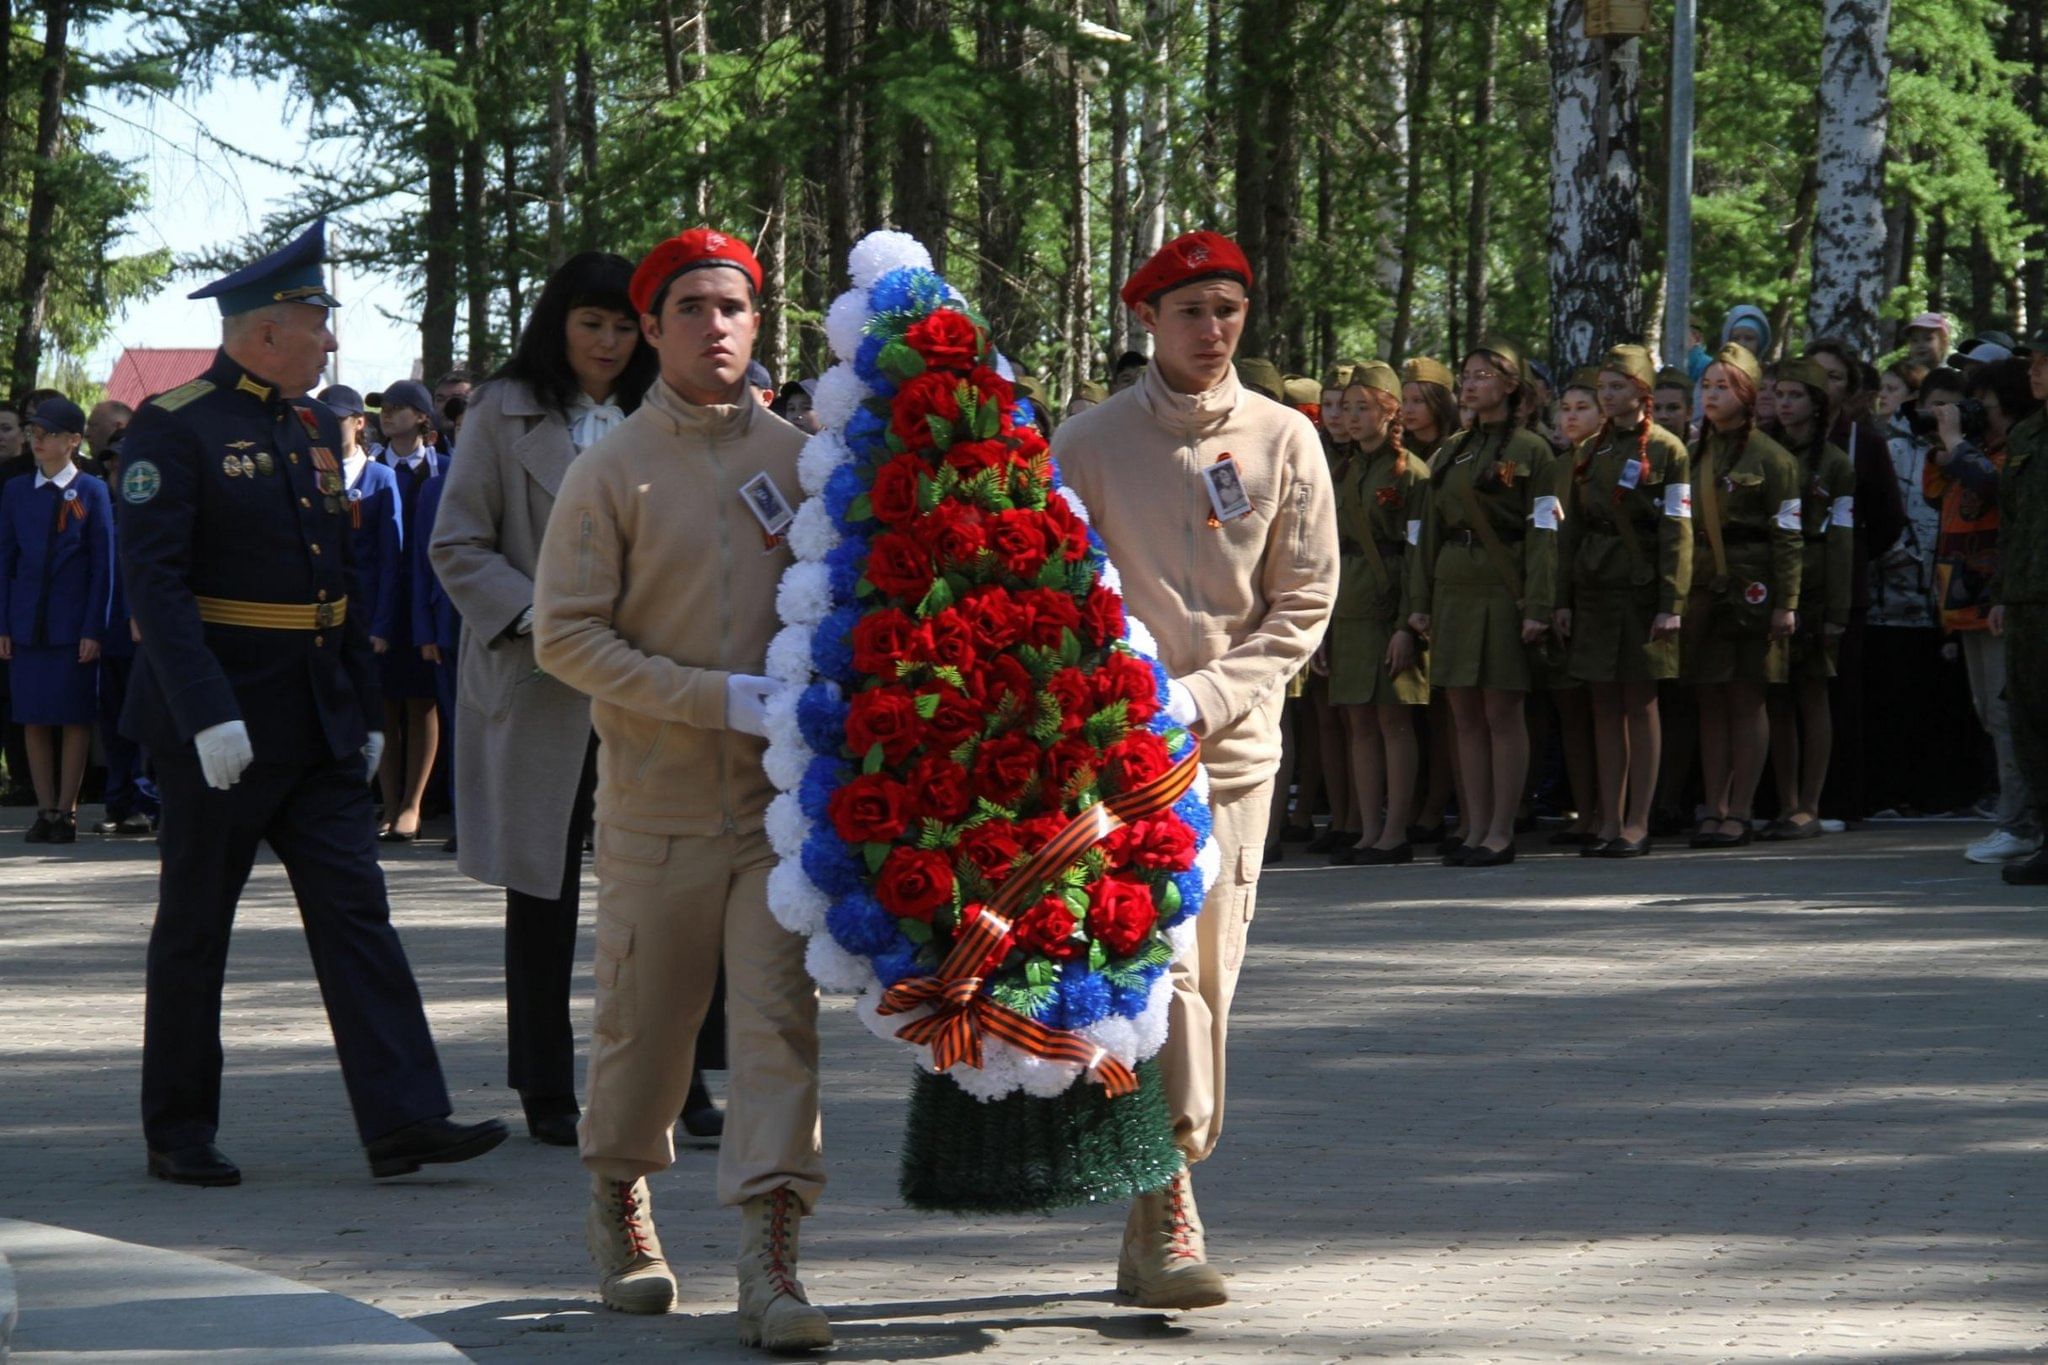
(1390, 423)
(1643, 432)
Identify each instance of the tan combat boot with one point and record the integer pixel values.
(774, 1314)
(619, 1230)
(1163, 1263)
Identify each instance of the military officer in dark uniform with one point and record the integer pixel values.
(257, 695)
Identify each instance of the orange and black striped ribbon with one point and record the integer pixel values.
(962, 1013)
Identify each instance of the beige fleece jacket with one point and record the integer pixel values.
(654, 584)
(1237, 608)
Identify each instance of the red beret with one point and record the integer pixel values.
(692, 250)
(1187, 258)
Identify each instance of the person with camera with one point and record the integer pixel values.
(1970, 423)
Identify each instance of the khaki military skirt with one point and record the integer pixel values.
(1813, 654)
(1475, 627)
(1611, 636)
(1727, 635)
(1358, 673)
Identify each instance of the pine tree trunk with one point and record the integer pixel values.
(774, 244)
(441, 154)
(1479, 211)
(558, 165)
(1080, 310)
(1253, 166)
(1398, 142)
(1286, 339)
(1848, 240)
(515, 266)
(592, 226)
(2034, 274)
(999, 226)
(476, 275)
(1937, 261)
(38, 257)
(1212, 108)
(1411, 198)
(920, 181)
(1119, 200)
(1154, 152)
(1596, 238)
(842, 187)
(1326, 318)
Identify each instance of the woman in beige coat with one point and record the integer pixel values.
(524, 752)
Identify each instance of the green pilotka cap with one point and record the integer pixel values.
(1671, 377)
(1803, 370)
(1338, 375)
(1376, 374)
(1586, 377)
(1634, 361)
(1300, 391)
(1736, 356)
(1256, 373)
(1507, 353)
(1422, 369)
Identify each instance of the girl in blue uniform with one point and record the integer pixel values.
(56, 581)
(410, 719)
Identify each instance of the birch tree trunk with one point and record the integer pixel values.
(1596, 238)
(1119, 201)
(1080, 320)
(37, 255)
(1387, 215)
(1848, 236)
(1411, 195)
(1479, 213)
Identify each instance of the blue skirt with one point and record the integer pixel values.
(404, 674)
(51, 687)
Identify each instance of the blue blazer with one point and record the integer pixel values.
(56, 585)
(377, 538)
(411, 487)
(434, 618)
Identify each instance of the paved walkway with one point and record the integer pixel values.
(1700, 1107)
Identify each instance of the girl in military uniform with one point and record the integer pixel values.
(1490, 541)
(1562, 695)
(1578, 407)
(1627, 552)
(1802, 726)
(1332, 737)
(1377, 668)
(1429, 414)
(1745, 592)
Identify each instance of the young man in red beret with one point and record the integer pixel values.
(1216, 505)
(655, 595)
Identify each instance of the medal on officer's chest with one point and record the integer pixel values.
(238, 466)
(769, 507)
(265, 464)
(330, 483)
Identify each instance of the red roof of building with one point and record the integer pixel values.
(145, 371)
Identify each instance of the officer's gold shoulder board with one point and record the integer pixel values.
(183, 394)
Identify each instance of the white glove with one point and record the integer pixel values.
(1180, 704)
(224, 753)
(746, 702)
(524, 625)
(373, 751)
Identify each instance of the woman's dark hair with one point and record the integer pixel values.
(1443, 408)
(1943, 380)
(2008, 380)
(593, 279)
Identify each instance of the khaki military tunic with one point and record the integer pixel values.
(1504, 472)
(1382, 578)
(1748, 490)
(1827, 526)
(1626, 553)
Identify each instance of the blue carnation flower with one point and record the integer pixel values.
(844, 564)
(867, 434)
(860, 925)
(841, 488)
(830, 864)
(898, 965)
(1101, 554)
(1024, 413)
(1129, 1001)
(1194, 812)
(821, 716)
(832, 644)
(1080, 998)
(1189, 882)
(908, 290)
(867, 363)
(821, 779)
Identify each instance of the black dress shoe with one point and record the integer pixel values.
(1455, 854)
(1484, 857)
(432, 1141)
(1385, 857)
(200, 1164)
(551, 1119)
(700, 1117)
(1625, 848)
(2032, 872)
(63, 827)
(1449, 845)
(39, 832)
(1345, 856)
(1593, 845)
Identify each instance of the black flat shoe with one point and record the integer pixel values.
(449, 845)
(39, 832)
(64, 829)
(201, 1164)
(1625, 848)
(395, 835)
(1323, 842)
(1459, 855)
(1385, 857)
(1593, 846)
(431, 1142)
(551, 1119)
(1483, 857)
(1428, 834)
(1446, 847)
(700, 1117)
(1297, 834)
(1345, 856)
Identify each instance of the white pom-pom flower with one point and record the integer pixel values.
(1116, 1036)
(1140, 637)
(812, 535)
(779, 720)
(789, 655)
(1074, 501)
(846, 323)
(878, 253)
(832, 967)
(1209, 862)
(785, 763)
(1201, 787)
(797, 905)
(839, 395)
(1150, 1027)
(786, 826)
(821, 455)
(1110, 578)
(1045, 1079)
(804, 597)
(1181, 937)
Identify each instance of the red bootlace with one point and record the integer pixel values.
(1178, 1229)
(629, 1207)
(778, 1243)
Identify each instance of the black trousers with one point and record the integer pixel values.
(317, 818)
(540, 955)
(1923, 746)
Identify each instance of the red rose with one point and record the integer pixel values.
(899, 566)
(1003, 766)
(1120, 914)
(957, 720)
(1067, 532)
(882, 637)
(871, 809)
(1001, 677)
(998, 619)
(1102, 616)
(971, 457)
(990, 849)
(1047, 929)
(1161, 844)
(1052, 613)
(1127, 678)
(931, 394)
(886, 716)
(1021, 541)
(988, 384)
(1028, 445)
(1070, 765)
(952, 639)
(938, 788)
(1041, 830)
(947, 340)
(914, 882)
(952, 532)
(894, 494)
(1134, 760)
(1069, 687)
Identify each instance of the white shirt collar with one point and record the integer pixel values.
(590, 420)
(63, 479)
(353, 464)
(413, 461)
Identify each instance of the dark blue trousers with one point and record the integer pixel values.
(129, 790)
(318, 819)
